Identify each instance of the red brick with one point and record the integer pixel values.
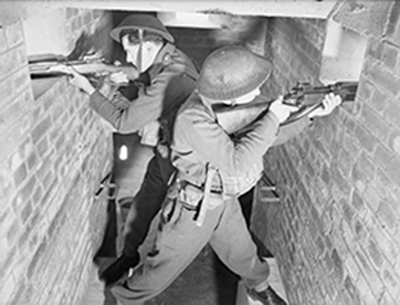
(12, 113)
(366, 166)
(384, 242)
(379, 101)
(57, 112)
(344, 162)
(352, 292)
(327, 261)
(360, 231)
(76, 24)
(20, 175)
(14, 34)
(37, 196)
(392, 113)
(382, 78)
(349, 124)
(370, 274)
(389, 55)
(347, 142)
(365, 138)
(383, 184)
(325, 175)
(374, 253)
(365, 291)
(376, 125)
(388, 163)
(27, 190)
(7, 91)
(358, 203)
(58, 221)
(3, 41)
(36, 259)
(387, 216)
(87, 18)
(40, 130)
(70, 12)
(347, 235)
(391, 280)
(322, 150)
(13, 231)
(375, 48)
(44, 168)
(61, 143)
(48, 180)
(7, 189)
(7, 63)
(49, 192)
(43, 147)
(393, 29)
(26, 212)
(365, 89)
(32, 161)
(347, 211)
(342, 182)
(394, 141)
(371, 197)
(22, 81)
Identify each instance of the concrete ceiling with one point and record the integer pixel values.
(14, 10)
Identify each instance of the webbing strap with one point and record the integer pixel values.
(206, 199)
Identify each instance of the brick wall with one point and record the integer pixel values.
(54, 151)
(336, 230)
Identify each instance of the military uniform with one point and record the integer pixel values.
(172, 79)
(213, 171)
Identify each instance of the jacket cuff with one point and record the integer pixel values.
(97, 100)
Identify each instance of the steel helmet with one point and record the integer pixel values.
(231, 72)
(146, 22)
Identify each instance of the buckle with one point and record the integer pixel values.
(111, 186)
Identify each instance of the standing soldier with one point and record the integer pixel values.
(150, 48)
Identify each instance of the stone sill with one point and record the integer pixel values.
(41, 85)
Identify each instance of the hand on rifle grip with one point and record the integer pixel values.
(78, 80)
(282, 111)
(119, 78)
(329, 103)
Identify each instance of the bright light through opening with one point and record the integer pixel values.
(123, 152)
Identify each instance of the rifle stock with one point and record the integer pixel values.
(56, 66)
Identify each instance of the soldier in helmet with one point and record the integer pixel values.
(150, 48)
(202, 204)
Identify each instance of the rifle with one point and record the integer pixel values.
(52, 65)
(237, 117)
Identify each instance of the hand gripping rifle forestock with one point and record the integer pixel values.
(239, 117)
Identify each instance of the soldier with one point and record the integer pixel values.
(213, 171)
(150, 48)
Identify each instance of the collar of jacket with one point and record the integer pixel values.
(162, 59)
(169, 57)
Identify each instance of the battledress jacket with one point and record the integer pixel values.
(172, 78)
(200, 141)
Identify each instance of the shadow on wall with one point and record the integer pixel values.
(199, 43)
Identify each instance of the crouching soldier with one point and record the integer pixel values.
(214, 169)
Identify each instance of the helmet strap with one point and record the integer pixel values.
(139, 55)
